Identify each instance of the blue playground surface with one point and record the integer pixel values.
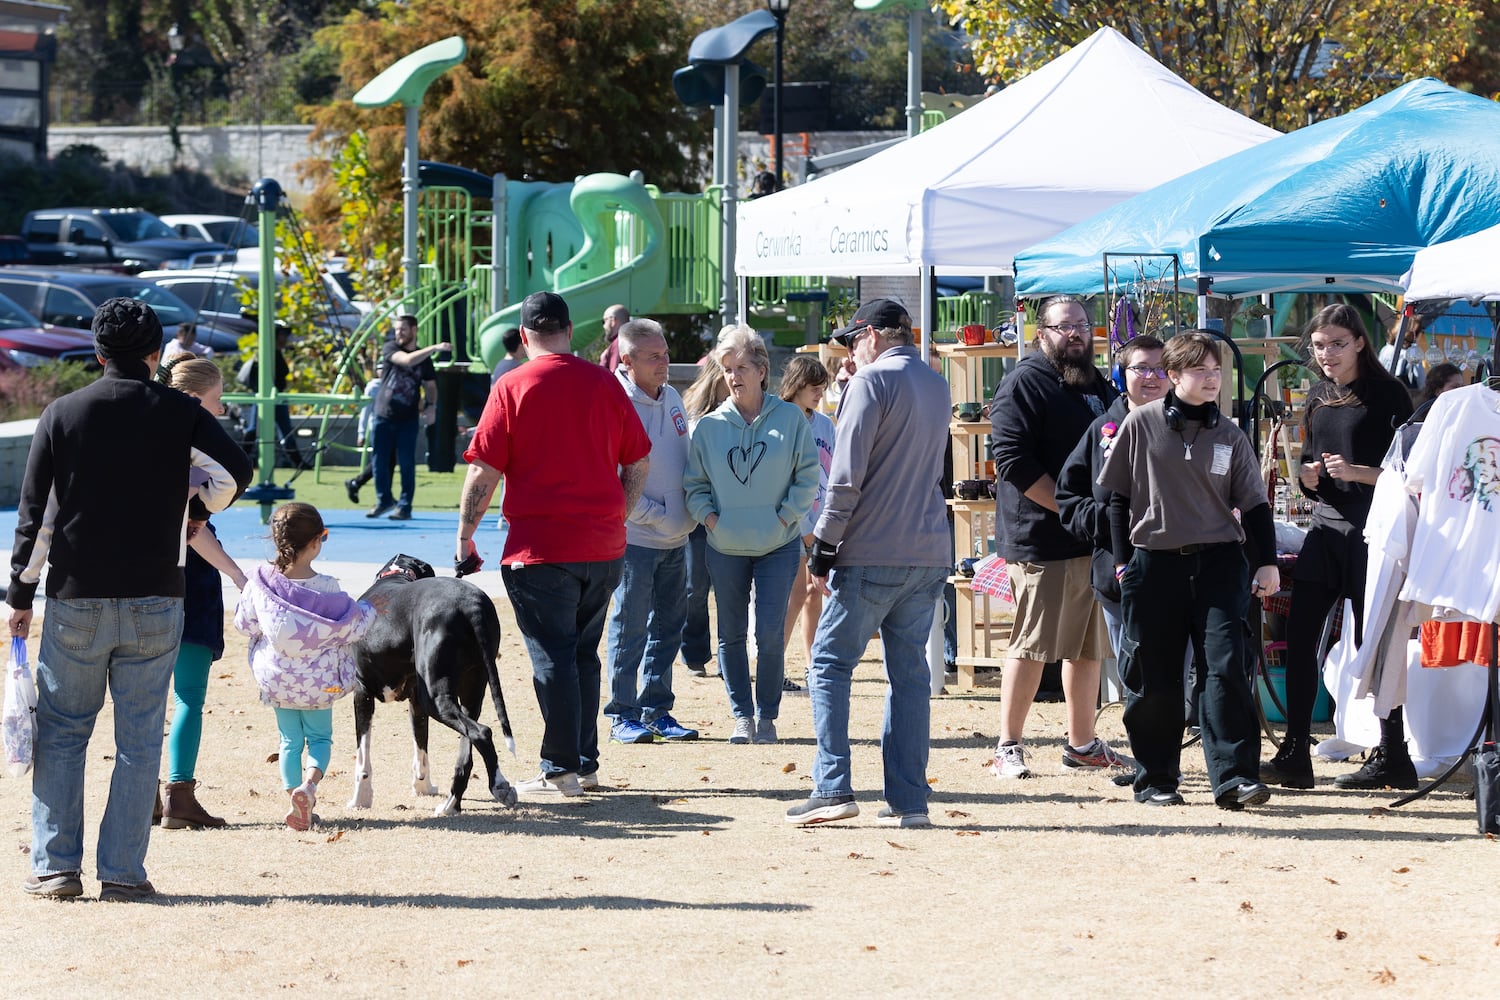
(352, 537)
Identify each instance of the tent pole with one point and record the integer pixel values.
(935, 662)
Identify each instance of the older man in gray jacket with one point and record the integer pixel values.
(881, 553)
(645, 628)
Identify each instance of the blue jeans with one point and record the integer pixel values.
(127, 644)
(560, 610)
(299, 727)
(697, 639)
(899, 602)
(645, 631)
(398, 438)
(772, 575)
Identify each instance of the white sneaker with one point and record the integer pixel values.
(1010, 761)
(543, 787)
(742, 731)
(905, 821)
(589, 782)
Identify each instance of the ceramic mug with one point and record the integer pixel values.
(974, 334)
(974, 489)
(968, 412)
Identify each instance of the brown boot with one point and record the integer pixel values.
(156, 809)
(182, 809)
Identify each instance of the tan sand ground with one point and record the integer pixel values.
(679, 877)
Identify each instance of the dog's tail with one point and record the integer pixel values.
(498, 697)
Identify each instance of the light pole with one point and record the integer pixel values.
(778, 9)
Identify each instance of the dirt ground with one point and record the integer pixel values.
(679, 876)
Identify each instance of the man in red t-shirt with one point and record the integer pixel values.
(574, 455)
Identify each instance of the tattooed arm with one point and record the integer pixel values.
(633, 478)
(478, 491)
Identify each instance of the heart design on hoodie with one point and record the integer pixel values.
(742, 461)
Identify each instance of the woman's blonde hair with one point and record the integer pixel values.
(294, 526)
(801, 371)
(739, 338)
(190, 374)
(707, 391)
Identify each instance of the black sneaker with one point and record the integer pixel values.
(698, 669)
(1380, 771)
(381, 508)
(400, 514)
(822, 810)
(351, 487)
(1291, 767)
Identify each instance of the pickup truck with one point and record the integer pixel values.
(121, 239)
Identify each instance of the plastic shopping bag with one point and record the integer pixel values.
(18, 724)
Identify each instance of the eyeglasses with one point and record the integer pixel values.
(1146, 371)
(1069, 327)
(849, 339)
(1332, 347)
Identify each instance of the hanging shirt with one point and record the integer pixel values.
(1455, 466)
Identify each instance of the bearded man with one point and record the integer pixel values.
(1040, 411)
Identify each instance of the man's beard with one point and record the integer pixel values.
(1076, 372)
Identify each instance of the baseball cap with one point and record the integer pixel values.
(545, 312)
(882, 314)
(126, 329)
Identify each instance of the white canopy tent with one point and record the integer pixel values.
(1093, 127)
(1465, 268)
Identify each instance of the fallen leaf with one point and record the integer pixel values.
(272, 757)
(254, 794)
(704, 778)
(465, 961)
(899, 847)
(1339, 935)
(1379, 811)
(883, 873)
(1423, 957)
(788, 768)
(856, 856)
(1385, 977)
(512, 877)
(1245, 907)
(401, 807)
(708, 833)
(580, 878)
(957, 814)
(1330, 881)
(773, 951)
(966, 833)
(336, 835)
(1402, 870)
(871, 947)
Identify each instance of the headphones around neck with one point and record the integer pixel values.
(1176, 420)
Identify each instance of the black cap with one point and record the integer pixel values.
(126, 329)
(882, 314)
(545, 312)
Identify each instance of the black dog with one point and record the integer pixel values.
(434, 643)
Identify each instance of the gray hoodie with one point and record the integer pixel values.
(660, 519)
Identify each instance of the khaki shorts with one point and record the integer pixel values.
(1057, 617)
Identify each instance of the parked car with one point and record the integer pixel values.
(216, 293)
(123, 239)
(227, 229)
(69, 298)
(13, 251)
(25, 343)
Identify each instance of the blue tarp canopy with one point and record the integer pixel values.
(1341, 205)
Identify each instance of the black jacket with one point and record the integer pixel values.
(1083, 504)
(116, 455)
(1035, 421)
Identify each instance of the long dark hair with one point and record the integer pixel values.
(1370, 373)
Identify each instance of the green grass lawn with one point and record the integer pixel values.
(435, 490)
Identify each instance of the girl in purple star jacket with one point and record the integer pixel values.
(302, 630)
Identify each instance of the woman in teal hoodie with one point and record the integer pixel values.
(752, 475)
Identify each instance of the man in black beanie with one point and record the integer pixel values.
(105, 507)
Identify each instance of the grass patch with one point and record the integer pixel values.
(436, 491)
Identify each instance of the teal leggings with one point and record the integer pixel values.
(189, 688)
(310, 727)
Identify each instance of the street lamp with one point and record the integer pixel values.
(778, 9)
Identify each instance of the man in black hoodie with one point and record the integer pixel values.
(1040, 412)
(116, 471)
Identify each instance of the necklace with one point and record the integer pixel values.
(1187, 446)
